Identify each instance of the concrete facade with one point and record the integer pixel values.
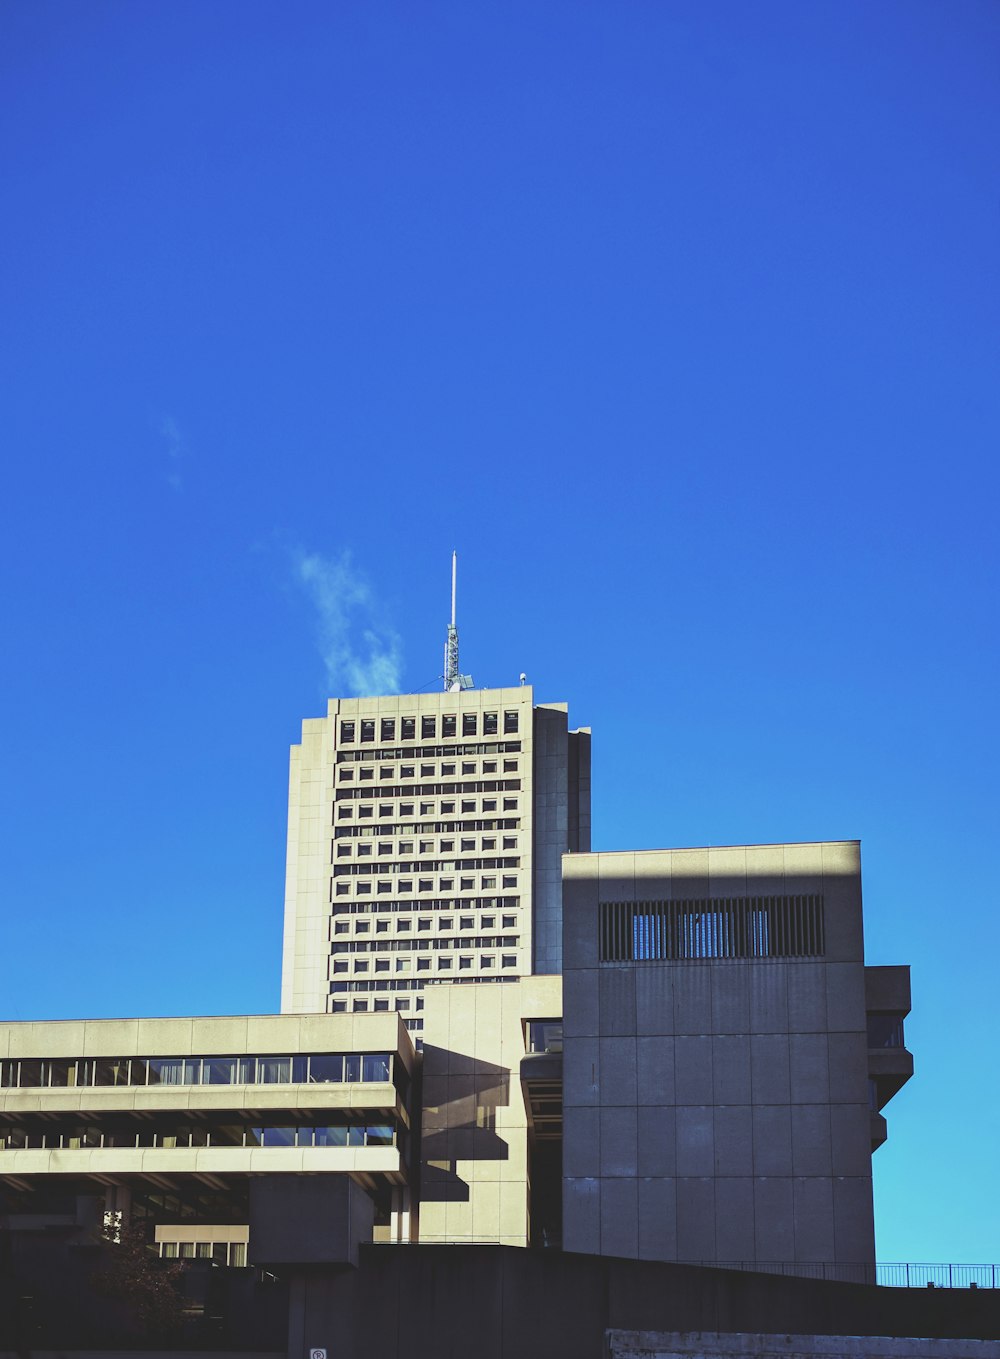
(425, 833)
(716, 1084)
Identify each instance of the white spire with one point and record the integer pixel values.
(453, 679)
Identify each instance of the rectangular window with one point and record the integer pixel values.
(346, 732)
(424, 923)
(381, 964)
(469, 724)
(468, 846)
(368, 729)
(385, 809)
(446, 922)
(425, 885)
(423, 964)
(402, 964)
(388, 729)
(509, 722)
(447, 846)
(366, 775)
(509, 922)
(404, 925)
(510, 766)
(724, 927)
(489, 724)
(406, 771)
(466, 884)
(408, 727)
(510, 842)
(488, 922)
(447, 770)
(383, 889)
(444, 964)
(489, 766)
(346, 776)
(510, 880)
(464, 964)
(510, 804)
(447, 808)
(406, 886)
(468, 805)
(468, 766)
(466, 922)
(384, 848)
(489, 883)
(406, 809)
(489, 804)
(487, 960)
(385, 771)
(428, 728)
(446, 884)
(448, 722)
(426, 771)
(365, 811)
(489, 843)
(508, 960)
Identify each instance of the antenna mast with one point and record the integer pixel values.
(454, 681)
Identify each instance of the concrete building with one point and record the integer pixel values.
(425, 836)
(727, 1055)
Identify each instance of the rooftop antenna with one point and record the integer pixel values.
(454, 681)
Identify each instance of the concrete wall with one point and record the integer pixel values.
(561, 822)
(716, 1109)
(474, 1153)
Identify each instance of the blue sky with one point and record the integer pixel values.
(678, 320)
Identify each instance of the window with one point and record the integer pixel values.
(468, 766)
(469, 724)
(447, 807)
(509, 722)
(360, 1006)
(382, 1004)
(405, 846)
(339, 967)
(465, 884)
(366, 775)
(406, 771)
(488, 922)
(468, 846)
(381, 926)
(385, 809)
(361, 965)
(487, 960)
(345, 813)
(424, 923)
(341, 927)
(385, 771)
(381, 964)
(343, 851)
(406, 809)
(444, 964)
(464, 963)
(364, 889)
(489, 724)
(508, 960)
(725, 927)
(426, 771)
(388, 729)
(423, 964)
(447, 770)
(365, 811)
(510, 880)
(425, 885)
(446, 922)
(510, 766)
(346, 732)
(446, 884)
(346, 776)
(448, 724)
(339, 1006)
(489, 766)
(364, 851)
(406, 885)
(384, 848)
(426, 846)
(408, 728)
(489, 843)
(426, 808)
(468, 805)
(403, 925)
(342, 889)
(489, 882)
(447, 846)
(428, 728)
(368, 730)
(489, 804)
(466, 922)
(362, 927)
(510, 842)
(402, 964)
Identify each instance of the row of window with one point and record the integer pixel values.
(403, 790)
(444, 963)
(341, 849)
(351, 729)
(345, 810)
(313, 1068)
(465, 922)
(448, 769)
(342, 946)
(429, 752)
(415, 984)
(231, 1253)
(502, 823)
(364, 870)
(84, 1138)
(487, 883)
(341, 908)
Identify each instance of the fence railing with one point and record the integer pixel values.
(887, 1275)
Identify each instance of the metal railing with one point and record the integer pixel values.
(886, 1275)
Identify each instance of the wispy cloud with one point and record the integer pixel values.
(360, 652)
(175, 451)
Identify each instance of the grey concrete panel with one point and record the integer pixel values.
(580, 922)
(695, 1140)
(581, 1142)
(618, 1070)
(850, 1139)
(620, 1218)
(772, 1139)
(811, 1153)
(654, 999)
(581, 1071)
(696, 1219)
(582, 1215)
(807, 997)
(657, 1219)
(773, 1227)
(733, 1131)
(656, 1142)
(619, 1141)
(768, 998)
(734, 1219)
(813, 1219)
(853, 1219)
(731, 1069)
(769, 1068)
(655, 1062)
(580, 1002)
(693, 1081)
(845, 996)
(692, 998)
(616, 986)
(809, 1071)
(731, 997)
(848, 1059)
(842, 912)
